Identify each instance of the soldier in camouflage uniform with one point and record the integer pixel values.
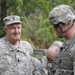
(15, 55)
(62, 18)
(49, 61)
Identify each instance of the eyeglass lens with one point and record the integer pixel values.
(58, 24)
(49, 59)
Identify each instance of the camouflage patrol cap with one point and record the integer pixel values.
(62, 13)
(11, 19)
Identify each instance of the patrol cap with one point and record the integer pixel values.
(62, 13)
(11, 19)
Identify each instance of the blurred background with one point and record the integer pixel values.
(34, 16)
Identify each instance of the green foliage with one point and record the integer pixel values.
(34, 15)
(39, 31)
(14, 6)
(1, 29)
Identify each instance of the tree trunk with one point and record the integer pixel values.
(3, 9)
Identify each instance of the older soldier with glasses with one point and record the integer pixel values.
(62, 18)
(49, 61)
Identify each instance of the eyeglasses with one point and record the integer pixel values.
(49, 59)
(58, 25)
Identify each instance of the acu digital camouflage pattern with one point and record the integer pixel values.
(61, 13)
(11, 19)
(37, 67)
(18, 61)
(15, 61)
(50, 68)
(66, 58)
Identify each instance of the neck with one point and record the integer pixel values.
(13, 42)
(70, 34)
(71, 31)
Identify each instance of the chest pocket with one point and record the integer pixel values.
(65, 58)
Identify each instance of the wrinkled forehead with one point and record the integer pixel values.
(13, 25)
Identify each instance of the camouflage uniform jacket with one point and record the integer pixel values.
(50, 68)
(15, 61)
(66, 58)
(37, 67)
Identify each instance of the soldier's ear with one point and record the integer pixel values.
(5, 28)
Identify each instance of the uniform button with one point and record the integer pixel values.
(60, 61)
(18, 60)
(17, 50)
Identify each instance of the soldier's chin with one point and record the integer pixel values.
(17, 38)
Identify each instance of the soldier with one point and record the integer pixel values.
(14, 53)
(49, 61)
(62, 18)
